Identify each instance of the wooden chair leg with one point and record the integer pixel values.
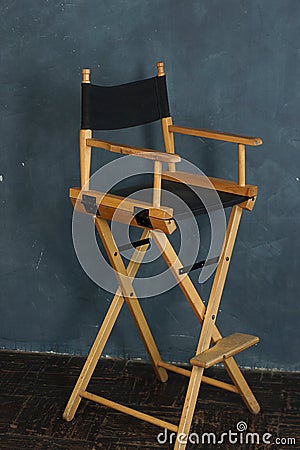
(219, 280)
(206, 316)
(94, 355)
(188, 408)
(217, 289)
(238, 379)
(102, 336)
(208, 325)
(199, 309)
(130, 296)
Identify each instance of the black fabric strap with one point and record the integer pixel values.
(126, 105)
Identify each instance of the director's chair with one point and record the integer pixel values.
(132, 104)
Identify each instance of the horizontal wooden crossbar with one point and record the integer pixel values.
(206, 380)
(129, 411)
(121, 209)
(223, 349)
(122, 203)
(175, 369)
(217, 135)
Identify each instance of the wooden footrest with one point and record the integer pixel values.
(223, 349)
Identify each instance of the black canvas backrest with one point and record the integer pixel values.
(125, 105)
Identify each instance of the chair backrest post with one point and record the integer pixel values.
(157, 184)
(160, 69)
(85, 150)
(165, 123)
(86, 73)
(241, 165)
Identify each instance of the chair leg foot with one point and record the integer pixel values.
(68, 415)
(239, 380)
(72, 406)
(256, 410)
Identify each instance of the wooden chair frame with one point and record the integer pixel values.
(212, 348)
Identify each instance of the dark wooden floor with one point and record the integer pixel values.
(34, 389)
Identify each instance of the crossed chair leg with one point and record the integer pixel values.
(206, 316)
(106, 329)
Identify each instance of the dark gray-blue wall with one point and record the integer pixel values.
(232, 65)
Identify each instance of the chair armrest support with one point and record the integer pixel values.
(217, 135)
(135, 151)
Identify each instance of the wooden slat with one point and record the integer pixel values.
(208, 182)
(220, 384)
(127, 204)
(175, 369)
(206, 380)
(136, 151)
(224, 348)
(127, 218)
(122, 210)
(129, 411)
(217, 135)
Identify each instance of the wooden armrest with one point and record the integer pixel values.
(135, 151)
(217, 135)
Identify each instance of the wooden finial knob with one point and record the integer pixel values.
(86, 75)
(160, 69)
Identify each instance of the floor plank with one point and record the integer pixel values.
(34, 389)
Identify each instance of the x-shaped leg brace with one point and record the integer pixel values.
(206, 316)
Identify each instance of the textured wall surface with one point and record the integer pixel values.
(231, 66)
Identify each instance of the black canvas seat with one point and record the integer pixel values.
(189, 195)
